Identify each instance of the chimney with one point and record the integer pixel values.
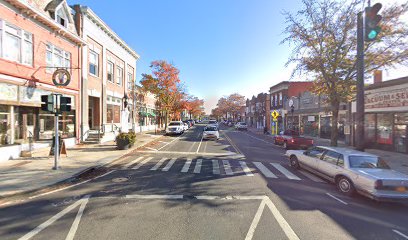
(377, 76)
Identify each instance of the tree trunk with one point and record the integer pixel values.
(166, 119)
(334, 124)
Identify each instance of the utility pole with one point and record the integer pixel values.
(359, 134)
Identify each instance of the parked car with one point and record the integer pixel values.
(213, 122)
(353, 171)
(175, 127)
(290, 139)
(241, 126)
(186, 127)
(211, 132)
(188, 123)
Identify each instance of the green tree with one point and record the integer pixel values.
(323, 35)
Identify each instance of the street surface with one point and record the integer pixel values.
(180, 187)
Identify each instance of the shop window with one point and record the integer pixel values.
(109, 113)
(401, 118)
(369, 130)
(384, 129)
(4, 124)
(46, 125)
(67, 124)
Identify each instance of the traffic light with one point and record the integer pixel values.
(65, 104)
(47, 103)
(372, 19)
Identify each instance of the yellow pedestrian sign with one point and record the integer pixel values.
(275, 114)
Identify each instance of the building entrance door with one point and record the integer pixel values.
(400, 138)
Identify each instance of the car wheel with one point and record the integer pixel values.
(285, 146)
(294, 162)
(345, 186)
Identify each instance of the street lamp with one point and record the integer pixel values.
(125, 101)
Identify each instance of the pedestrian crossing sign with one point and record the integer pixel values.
(275, 114)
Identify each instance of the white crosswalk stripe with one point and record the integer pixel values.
(246, 169)
(197, 168)
(142, 163)
(285, 172)
(264, 170)
(187, 165)
(132, 162)
(227, 167)
(169, 164)
(216, 167)
(158, 164)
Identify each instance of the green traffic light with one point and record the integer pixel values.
(372, 34)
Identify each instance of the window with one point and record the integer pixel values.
(315, 152)
(367, 162)
(16, 44)
(56, 57)
(111, 74)
(331, 157)
(119, 75)
(130, 80)
(340, 162)
(280, 98)
(93, 63)
(276, 100)
(61, 17)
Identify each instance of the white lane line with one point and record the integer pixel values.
(50, 221)
(197, 168)
(400, 233)
(216, 166)
(227, 167)
(137, 196)
(158, 164)
(162, 142)
(153, 149)
(194, 153)
(75, 224)
(186, 165)
(285, 172)
(169, 143)
(281, 220)
(169, 164)
(255, 221)
(311, 176)
(199, 145)
(338, 199)
(132, 162)
(142, 163)
(264, 170)
(246, 169)
(209, 197)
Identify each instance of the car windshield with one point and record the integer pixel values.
(212, 128)
(174, 124)
(367, 162)
(242, 123)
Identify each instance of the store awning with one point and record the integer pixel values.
(152, 114)
(143, 114)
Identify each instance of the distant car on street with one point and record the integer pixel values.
(353, 171)
(175, 127)
(290, 139)
(213, 122)
(241, 126)
(211, 132)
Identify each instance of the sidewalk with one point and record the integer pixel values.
(397, 161)
(27, 174)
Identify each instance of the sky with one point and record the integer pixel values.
(219, 46)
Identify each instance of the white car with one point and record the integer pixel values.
(185, 126)
(211, 132)
(175, 127)
(213, 122)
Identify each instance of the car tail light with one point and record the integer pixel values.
(312, 142)
(378, 184)
(292, 140)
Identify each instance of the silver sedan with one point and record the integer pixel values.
(353, 171)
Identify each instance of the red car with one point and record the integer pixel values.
(291, 140)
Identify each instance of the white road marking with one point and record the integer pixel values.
(132, 162)
(281, 220)
(75, 224)
(255, 221)
(169, 164)
(169, 143)
(338, 199)
(400, 233)
(264, 170)
(158, 164)
(162, 142)
(199, 145)
(311, 176)
(50, 221)
(285, 172)
(246, 169)
(137, 196)
(187, 165)
(153, 149)
(216, 166)
(193, 153)
(142, 163)
(197, 168)
(227, 167)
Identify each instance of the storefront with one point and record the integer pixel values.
(309, 125)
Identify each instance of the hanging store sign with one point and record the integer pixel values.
(61, 77)
(385, 98)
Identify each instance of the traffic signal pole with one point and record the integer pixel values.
(56, 144)
(359, 133)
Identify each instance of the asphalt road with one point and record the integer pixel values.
(180, 187)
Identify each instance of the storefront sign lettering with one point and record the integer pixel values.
(389, 98)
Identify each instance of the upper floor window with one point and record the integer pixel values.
(93, 63)
(61, 17)
(130, 80)
(119, 76)
(56, 58)
(280, 98)
(111, 72)
(276, 100)
(15, 44)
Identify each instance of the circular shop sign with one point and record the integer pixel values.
(61, 77)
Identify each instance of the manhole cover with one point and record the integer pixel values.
(121, 179)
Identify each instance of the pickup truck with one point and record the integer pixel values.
(290, 139)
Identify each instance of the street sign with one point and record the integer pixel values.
(275, 114)
(61, 77)
(290, 102)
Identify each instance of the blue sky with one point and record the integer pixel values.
(220, 46)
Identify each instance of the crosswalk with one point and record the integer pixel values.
(219, 167)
